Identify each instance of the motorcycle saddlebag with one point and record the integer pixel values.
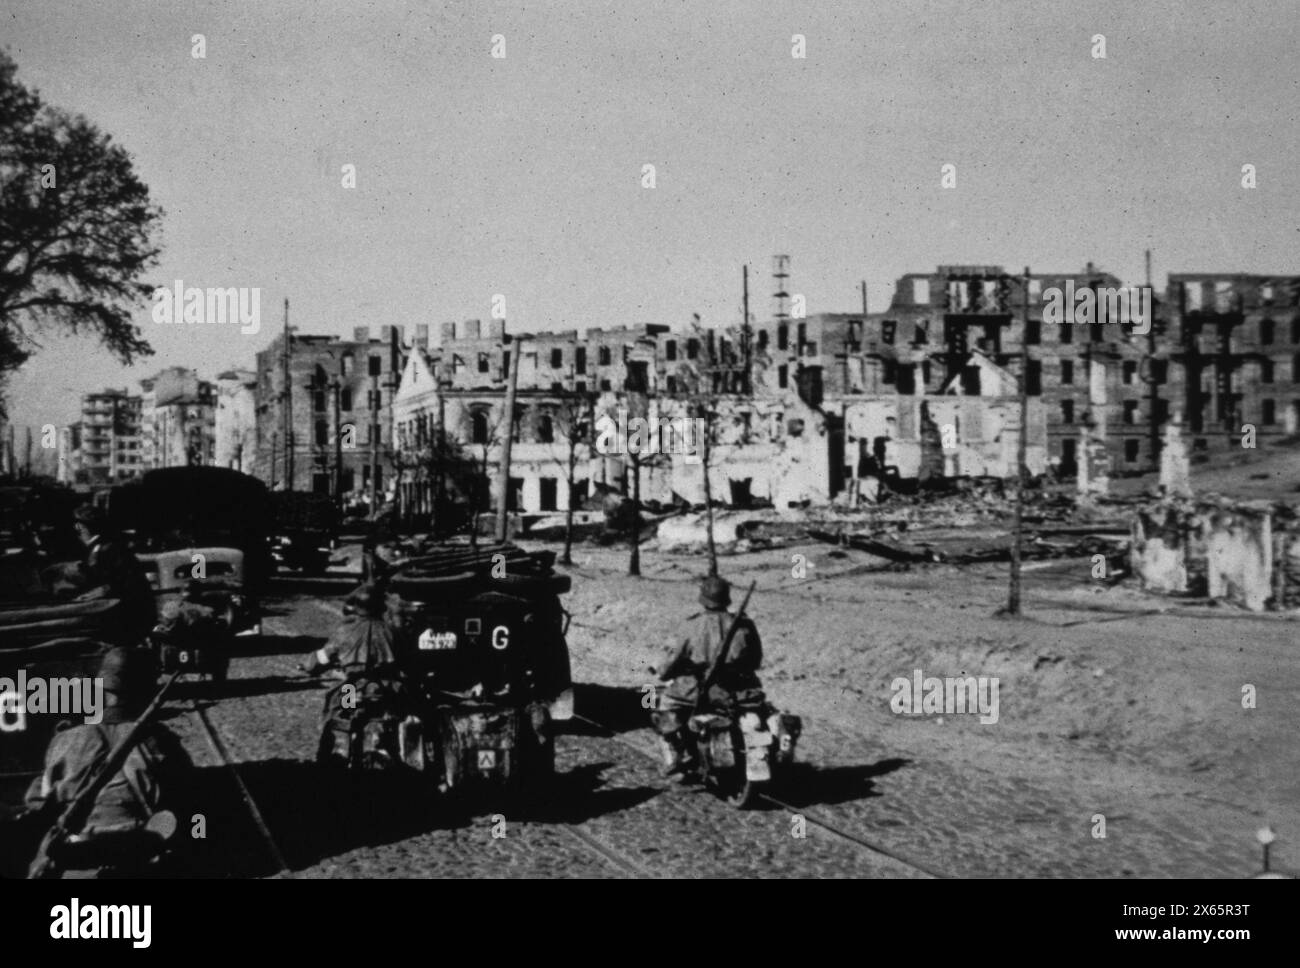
(715, 740)
(786, 728)
(481, 744)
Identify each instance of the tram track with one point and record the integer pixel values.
(200, 716)
(810, 816)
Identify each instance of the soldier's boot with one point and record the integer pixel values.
(679, 755)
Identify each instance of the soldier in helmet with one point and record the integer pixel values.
(364, 640)
(110, 569)
(362, 653)
(149, 781)
(734, 686)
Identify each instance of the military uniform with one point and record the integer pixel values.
(149, 780)
(736, 683)
(136, 793)
(197, 623)
(111, 565)
(361, 643)
(734, 688)
(362, 649)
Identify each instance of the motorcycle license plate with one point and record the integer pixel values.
(431, 641)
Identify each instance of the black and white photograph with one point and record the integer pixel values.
(658, 440)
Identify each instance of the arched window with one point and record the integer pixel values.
(478, 427)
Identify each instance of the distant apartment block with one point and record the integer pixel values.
(104, 446)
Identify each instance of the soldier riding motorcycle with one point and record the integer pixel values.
(713, 718)
(361, 716)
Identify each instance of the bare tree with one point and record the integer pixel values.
(494, 420)
(437, 462)
(714, 382)
(572, 421)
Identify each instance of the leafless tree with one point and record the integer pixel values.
(571, 420)
(714, 378)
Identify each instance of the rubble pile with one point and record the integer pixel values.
(1246, 552)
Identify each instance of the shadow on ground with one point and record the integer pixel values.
(324, 586)
(247, 646)
(577, 796)
(811, 786)
(313, 813)
(616, 707)
(209, 693)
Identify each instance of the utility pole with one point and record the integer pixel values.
(1154, 388)
(439, 435)
(337, 387)
(374, 446)
(503, 471)
(864, 301)
(746, 334)
(275, 447)
(1013, 599)
(288, 405)
(391, 384)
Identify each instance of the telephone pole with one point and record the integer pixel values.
(288, 405)
(337, 388)
(374, 446)
(1153, 386)
(503, 471)
(1013, 599)
(747, 335)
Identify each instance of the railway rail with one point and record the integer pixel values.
(811, 816)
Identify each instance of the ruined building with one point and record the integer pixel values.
(323, 428)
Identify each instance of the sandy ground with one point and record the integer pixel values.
(1111, 702)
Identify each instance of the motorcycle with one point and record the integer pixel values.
(742, 754)
(461, 744)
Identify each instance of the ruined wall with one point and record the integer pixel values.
(1224, 552)
(1239, 553)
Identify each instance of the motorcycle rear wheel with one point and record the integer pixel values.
(747, 795)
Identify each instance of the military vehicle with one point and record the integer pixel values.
(206, 524)
(483, 672)
(305, 528)
(212, 524)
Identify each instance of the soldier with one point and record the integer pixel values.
(734, 687)
(189, 618)
(363, 641)
(361, 652)
(111, 570)
(188, 624)
(378, 549)
(148, 783)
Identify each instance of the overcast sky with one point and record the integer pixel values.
(523, 176)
